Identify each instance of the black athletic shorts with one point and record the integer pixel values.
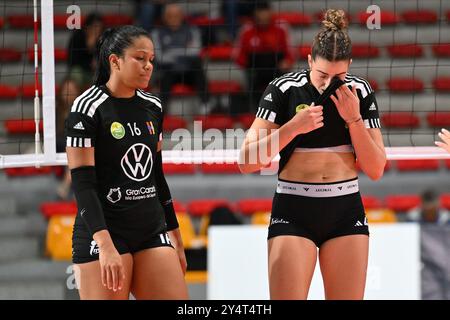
(316, 211)
(85, 249)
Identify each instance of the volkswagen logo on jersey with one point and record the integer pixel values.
(137, 162)
(114, 195)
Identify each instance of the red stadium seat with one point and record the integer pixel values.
(402, 203)
(303, 51)
(441, 49)
(250, 206)
(387, 166)
(182, 168)
(8, 92)
(28, 171)
(28, 90)
(205, 21)
(21, 21)
(224, 87)
(405, 50)
(373, 84)
(417, 165)
(371, 202)
(400, 120)
(218, 53)
(10, 55)
(171, 123)
(442, 84)
(60, 55)
(2, 22)
(246, 120)
(387, 17)
(445, 201)
(447, 14)
(293, 18)
(220, 168)
(50, 209)
(114, 20)
(362, 50)
(202, 207)
(215, 121)
(420, 16)
(179, 206)
(447, 163)
(181, 89)
(405, 85)
(21, 126)
(438, 119)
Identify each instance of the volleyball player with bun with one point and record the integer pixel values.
(322, 119)
(126, 237)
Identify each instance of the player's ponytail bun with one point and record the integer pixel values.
(333, 42)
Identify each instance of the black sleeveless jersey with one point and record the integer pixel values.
(290, 93)
(125, 133)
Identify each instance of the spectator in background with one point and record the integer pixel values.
(148, 12)
(429, 211)
(263, 50)
(65, 97)
(232, 11)
(177, 48)
(445, 136)
(82, 45)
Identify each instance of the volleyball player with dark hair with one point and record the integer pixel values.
(321, 120)
(121, 241)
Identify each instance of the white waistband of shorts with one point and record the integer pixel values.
(341, 148)
(318, 190)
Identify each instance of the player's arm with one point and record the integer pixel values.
(363, 122)
(268, 135)
(80, 131)
(81, 163)
(165, 199)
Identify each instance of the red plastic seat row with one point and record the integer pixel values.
(441, 50)
(405, 85)
(57, 208)
(61, 21)
(400, 120)
(438, 119)
(292, 18)
(26, 91)
(418, 165)
(215, 87)
(21, 126)
(60, 55)
(442, 84)
(33, 171)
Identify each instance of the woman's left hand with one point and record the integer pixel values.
(177, 242)
(347, 103)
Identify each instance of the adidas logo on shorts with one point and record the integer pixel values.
(268, 97)
(79, 126)
(372, 107)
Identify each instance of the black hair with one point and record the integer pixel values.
(333, 42)
(92, 18)
(429, 195)
(114, 41)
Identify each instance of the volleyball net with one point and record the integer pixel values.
(401, 47)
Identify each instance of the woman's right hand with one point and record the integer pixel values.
(307, 119)
(112, 270)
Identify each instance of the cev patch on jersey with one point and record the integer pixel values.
(117, 130)
(301, 107)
